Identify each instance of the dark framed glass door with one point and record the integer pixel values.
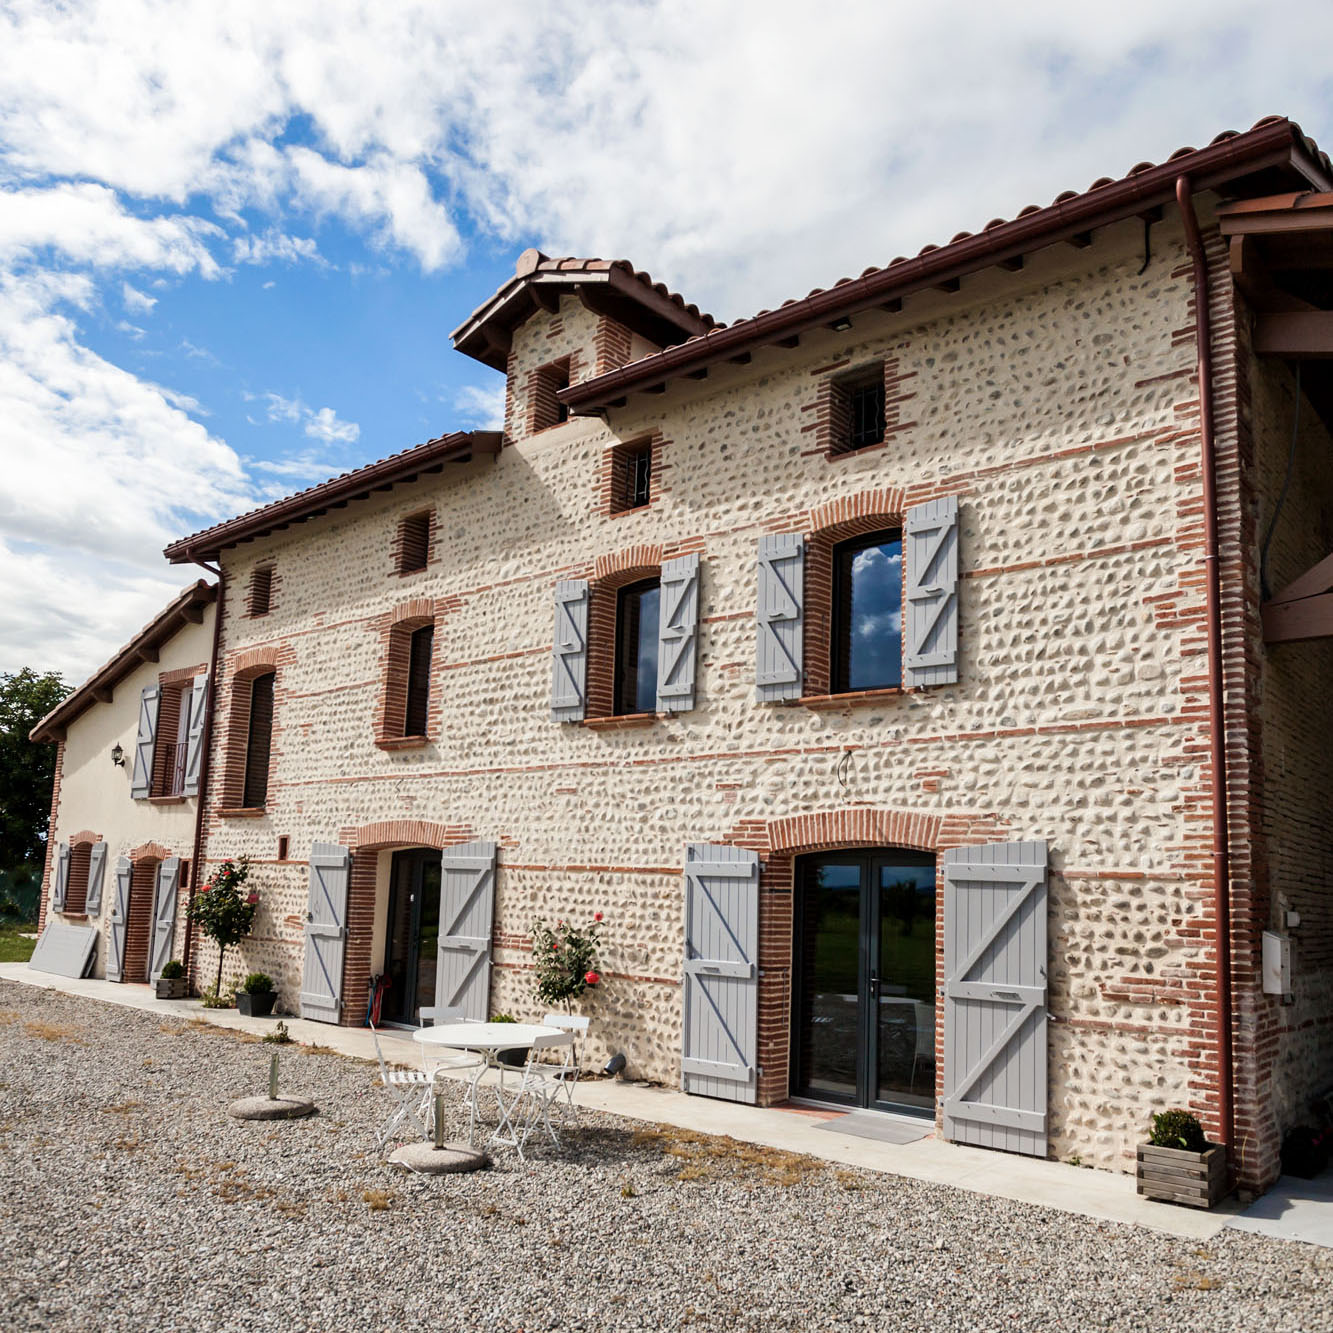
(412, 935)
(863, 1022)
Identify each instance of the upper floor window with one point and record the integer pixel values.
(867, 613)
(637, 616)
(412, 549)
(258, 742)
(544, 408)
(417, 712)
(853, 410)
(173, 740)
(631, 476)
(76, 892)
(259, 601)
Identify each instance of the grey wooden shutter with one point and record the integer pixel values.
(164, 915)
(721, 1030)
(467, 906)
(569, 654)
(142, 780)
(995, 996)
(678, 634)
(780, 617)
(60, 878)
(325, 932)
(96, 874)
(930, 593)
(115, 929)
(194, 744)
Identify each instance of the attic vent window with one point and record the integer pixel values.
(865, 410)
(545, 408)
(413, 545)
(631, 476)
(259, 602)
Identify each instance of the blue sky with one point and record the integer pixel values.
(234, 238)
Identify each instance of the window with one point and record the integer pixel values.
(631, 476)
(852, 415)
(172, 744)
(867, 613)
(417, 711)
(636, 647)
(76, 888)
(258, 743)
(414, 542)
(544, 408)
(260, 598)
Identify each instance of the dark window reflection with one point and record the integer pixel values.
(867, 605)
(636, 648)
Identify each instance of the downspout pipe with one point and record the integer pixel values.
(1216, 711)
(206, 741)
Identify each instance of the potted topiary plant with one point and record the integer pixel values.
(255, 995)
(224, 909)
(1178, 1165)
(171, 983)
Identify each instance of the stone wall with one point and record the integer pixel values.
(1059, 405)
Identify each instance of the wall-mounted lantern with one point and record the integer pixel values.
(118, 756)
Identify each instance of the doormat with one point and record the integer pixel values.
(882, 1128)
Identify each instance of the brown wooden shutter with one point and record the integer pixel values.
(259, 745)
(414, 543)
(418, 681)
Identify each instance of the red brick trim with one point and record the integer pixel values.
(544, 409)
(394, 743)
(832, 422)
(779, 842)
(365, 842)
(242, 812)
(400, 551)
(150, 851)
(631, 561)
(395, 629)
(182, 675)
(51, 843)
(624, 721)
(259, 600)
(612, 345)
(612, 493)
(83, 836)
(233, 704)
(830, 702)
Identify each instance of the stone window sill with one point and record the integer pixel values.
(836, 455)
(74, 916)
(244, 812)
(820, 702)
(624, 721)
(633, 509)
(167, 800)
(392, 743)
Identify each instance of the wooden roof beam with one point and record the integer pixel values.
(1304, 334)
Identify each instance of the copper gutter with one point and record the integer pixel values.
(206, 740)
(1273, 145)
(1216, 715)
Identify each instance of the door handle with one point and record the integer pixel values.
(873, 988)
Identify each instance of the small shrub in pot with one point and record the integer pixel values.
(1177, 1164)
(255, 996)
(171, 981)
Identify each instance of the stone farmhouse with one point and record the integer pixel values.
(928, 679)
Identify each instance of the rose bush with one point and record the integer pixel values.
(565, 960)
(222, 911)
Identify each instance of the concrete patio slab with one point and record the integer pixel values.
(1088, 1193)
(1293, 1209)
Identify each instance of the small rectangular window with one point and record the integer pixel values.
(283, 844)
(856, 410)
(259, 743)
(546, 409)
(418, 681)
(631, 476)
(414, 543)
(260, 599)
(636, 647)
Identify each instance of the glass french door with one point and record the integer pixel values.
(863, 1029)
(411, 940)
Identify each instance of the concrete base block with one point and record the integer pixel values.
(430, 1160)
(269, 1108)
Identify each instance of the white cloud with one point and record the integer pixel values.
(318, 424)
(275, 245)
(481, 407)
(135, 301)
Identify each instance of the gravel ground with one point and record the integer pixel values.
(134, 1201)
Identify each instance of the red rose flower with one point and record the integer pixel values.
(204, 888)
(596, 916)
(252, 898)
(591, 978)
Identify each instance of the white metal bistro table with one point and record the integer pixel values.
(488, 1039)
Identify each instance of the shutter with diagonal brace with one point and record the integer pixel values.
(118, 921)
(678, 634)
(721, 972)
(779, 617)
(930, 593)
(467, 906)
(142, 781)
(325, 932)
(995, 996)
(164, 916)
(60, 878)
(96, 874)
(569, 653)
(194, 743)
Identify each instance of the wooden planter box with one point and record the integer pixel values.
(171, 988)
(1196, 1179)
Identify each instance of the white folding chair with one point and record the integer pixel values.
(536, 1093)
(412, 1088)
(567, 1074)
(440, 1061)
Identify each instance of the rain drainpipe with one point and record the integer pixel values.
(1216, 715)
(206, 740)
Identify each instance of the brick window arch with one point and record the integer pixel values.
(834, 526)
(409, 705)
(251, 714)
(613, 574)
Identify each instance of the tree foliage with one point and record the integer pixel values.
(27, 768)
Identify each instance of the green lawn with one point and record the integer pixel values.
(13, 947)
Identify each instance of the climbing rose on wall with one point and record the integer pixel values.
(565, 960)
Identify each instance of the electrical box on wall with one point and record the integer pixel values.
(1277, 963)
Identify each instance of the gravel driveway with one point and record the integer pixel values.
(134, 1201)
